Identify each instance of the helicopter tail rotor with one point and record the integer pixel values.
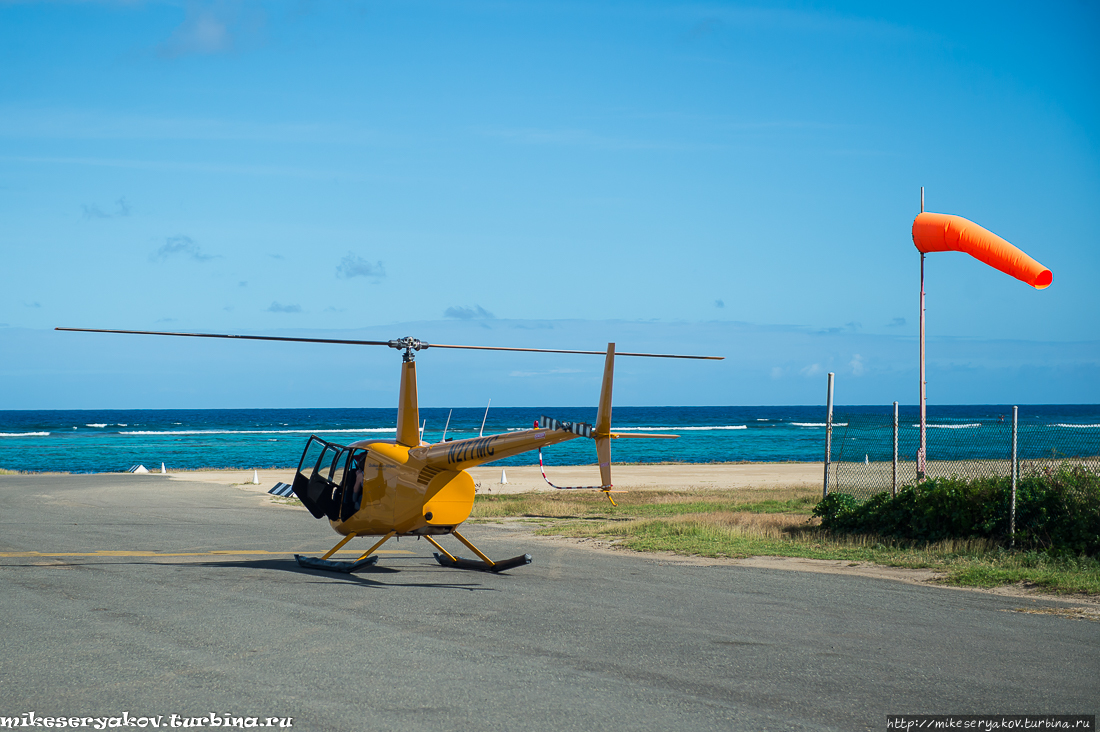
(600, 432)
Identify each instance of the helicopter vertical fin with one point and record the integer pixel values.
(603, 455)
(408, 412)
(602, 431)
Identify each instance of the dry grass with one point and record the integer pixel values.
(636, 504)
(743, 523)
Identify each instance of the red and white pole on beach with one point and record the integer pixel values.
(933, 232)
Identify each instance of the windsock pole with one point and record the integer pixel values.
(933, 232)
(922, 453)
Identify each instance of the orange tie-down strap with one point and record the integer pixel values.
(605, 488)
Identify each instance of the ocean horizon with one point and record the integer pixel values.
(107, 440)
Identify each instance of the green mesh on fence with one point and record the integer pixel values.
(862, 454)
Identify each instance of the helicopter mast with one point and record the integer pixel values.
(408, 412)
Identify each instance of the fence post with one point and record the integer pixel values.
(894, 490)
(828, 433)
(1015, 473)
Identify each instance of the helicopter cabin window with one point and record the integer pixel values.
(311, 455)
(339, 468)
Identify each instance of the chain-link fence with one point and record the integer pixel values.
(870, 455)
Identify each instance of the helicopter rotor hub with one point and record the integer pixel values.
(410, 345)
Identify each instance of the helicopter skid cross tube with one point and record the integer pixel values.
(343, 541)
(381, 541)
(473, 548)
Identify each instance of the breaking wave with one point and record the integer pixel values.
(254, 432)
(951, 426)
(681, 429)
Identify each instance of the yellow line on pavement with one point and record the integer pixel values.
(220, 552)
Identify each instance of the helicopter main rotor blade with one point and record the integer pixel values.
(401, 343)
(584, 353)
(238, 337)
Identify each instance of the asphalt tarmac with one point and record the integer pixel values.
(153, 597)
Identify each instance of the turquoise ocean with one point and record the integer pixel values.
(93, 441)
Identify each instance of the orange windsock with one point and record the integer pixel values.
(933, 232)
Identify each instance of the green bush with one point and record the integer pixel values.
(1058, 512)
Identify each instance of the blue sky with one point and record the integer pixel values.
(731, 179)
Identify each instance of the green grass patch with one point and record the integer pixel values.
(779, 522)
(1058, 512)
(286, 501)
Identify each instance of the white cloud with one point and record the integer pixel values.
(122, 208)
(94, 212)
(183, 246)
(475, 313)
(353, 265)
(212, 28)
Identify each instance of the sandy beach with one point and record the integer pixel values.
(627, 477)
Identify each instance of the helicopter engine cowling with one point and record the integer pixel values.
(450, 497)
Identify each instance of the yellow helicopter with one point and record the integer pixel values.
(408, 487)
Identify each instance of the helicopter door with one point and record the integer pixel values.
(337, 477)
(322, 460)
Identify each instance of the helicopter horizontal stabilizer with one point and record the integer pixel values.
(586, 430)
(578, 428)
(282, 489)
(476, 564)
(334, 566)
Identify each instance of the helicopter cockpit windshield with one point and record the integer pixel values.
(325, 479)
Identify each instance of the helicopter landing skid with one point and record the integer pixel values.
(461, 563)
(485, 565)
(334, 566)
